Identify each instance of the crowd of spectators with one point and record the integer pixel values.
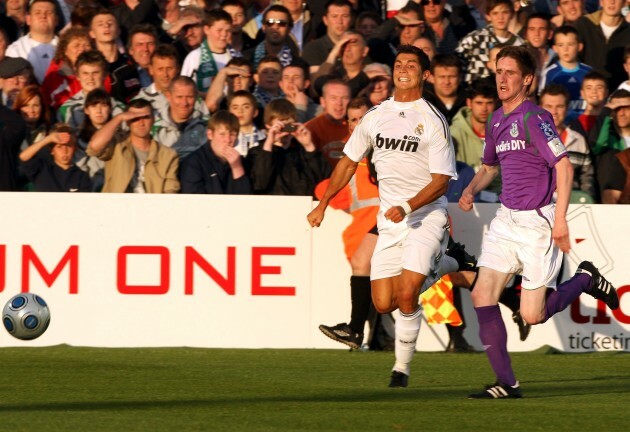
(251, 96)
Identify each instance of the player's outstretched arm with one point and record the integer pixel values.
(564, 182)
(480, 181)
(340, 177)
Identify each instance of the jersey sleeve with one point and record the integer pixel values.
(359, 143)
(441, 150)
(543, 135)
(489, 153)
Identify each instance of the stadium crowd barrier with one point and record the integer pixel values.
(247, 272)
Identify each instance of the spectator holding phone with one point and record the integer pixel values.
(288, 162)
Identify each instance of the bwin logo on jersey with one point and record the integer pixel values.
(407, 144)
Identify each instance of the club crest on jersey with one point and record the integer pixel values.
(546, 128)
(419, 129)
(514, 130)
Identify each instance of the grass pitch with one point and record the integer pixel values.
(87, 389)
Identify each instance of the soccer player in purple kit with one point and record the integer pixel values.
(529, 232)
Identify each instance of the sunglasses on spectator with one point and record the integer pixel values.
(428, 2)
(410, 25)
(281, 23)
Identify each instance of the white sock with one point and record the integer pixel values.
(407, 329)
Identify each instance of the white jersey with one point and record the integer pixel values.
(411, 141)
(38, 54)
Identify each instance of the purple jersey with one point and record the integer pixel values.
(526, 145)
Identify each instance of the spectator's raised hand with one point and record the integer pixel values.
(304, 137)
(294, 94)
(232, 156)
(275, 133)
(60, 138)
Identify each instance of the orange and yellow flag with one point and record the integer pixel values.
(437, 302)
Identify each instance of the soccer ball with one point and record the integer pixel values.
(26, 316)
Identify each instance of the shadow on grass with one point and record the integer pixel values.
(533, 391)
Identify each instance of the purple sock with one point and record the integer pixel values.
(494, 339)
(565, 293)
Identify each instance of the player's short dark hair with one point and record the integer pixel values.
(140, 103)
(300, 63)
(338, 3)
(494, 3)
(446, 60)
(281, 9)
(484, 87)
(537, 15)
(165, 51)
(359, 102)
(237, 3)
(103, 11)
(216, 15)
(97, 96)
(245, 94)
(522, 56)
(369, 15)
(279, 108)
(223, 118)
(594, 75)
(566, 30)
(269, 59)
(91, 57)
(620, 93)
(423, 59)
(142, 28)
(556, 90)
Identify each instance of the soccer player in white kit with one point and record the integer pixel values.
(414, 160)
(530, 232)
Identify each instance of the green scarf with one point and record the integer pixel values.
(207, 68)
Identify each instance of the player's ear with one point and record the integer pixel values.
(426, 75)
(529, 79)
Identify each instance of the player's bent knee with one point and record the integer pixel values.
(532, 317)
(479, 298)
(407, 301)
(383, 306)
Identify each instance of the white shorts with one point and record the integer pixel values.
(415, 244)
(520, 242)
